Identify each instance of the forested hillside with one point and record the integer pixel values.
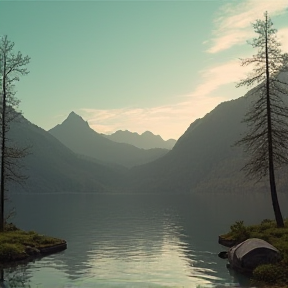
(204, 159)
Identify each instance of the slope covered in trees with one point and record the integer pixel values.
(204, 158)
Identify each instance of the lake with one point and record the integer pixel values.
(134, 240)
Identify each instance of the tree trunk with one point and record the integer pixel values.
(275, 203)
(3, 148)
(2, 277)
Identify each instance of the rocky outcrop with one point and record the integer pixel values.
(226, 242)
(53, 249)
(30, 253)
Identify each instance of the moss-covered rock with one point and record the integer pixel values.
(276, 274)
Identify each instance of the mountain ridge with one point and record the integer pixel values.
(51, 167)
(146, 140)
(77, 135)
(204, 159)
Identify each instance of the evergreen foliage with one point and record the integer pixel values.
(266, 142)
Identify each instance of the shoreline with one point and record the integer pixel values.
(274, 274)
(18, 246)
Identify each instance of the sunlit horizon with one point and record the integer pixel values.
(135, 65)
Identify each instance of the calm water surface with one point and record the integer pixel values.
(133, 240)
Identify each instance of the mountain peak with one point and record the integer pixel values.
(76, 121)
(73, 115)
(148, 133)
(149, 136)
(146, 140)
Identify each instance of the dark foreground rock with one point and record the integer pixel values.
(227, 242)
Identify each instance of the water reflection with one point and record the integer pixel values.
(15, 277)
(135, 241)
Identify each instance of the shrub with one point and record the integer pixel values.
(266, 221)
(271, 273)
(9, 250)
(276, 274)
(10, 227)
(239, 231)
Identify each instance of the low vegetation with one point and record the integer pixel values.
(276, 274)
(16, 244)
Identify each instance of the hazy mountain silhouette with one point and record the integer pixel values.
(199, 155)
(204, 158)
(52, 167)
(76, 134)
(146, 140)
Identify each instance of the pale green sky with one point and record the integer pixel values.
(136, 65)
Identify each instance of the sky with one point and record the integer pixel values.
(133, 65)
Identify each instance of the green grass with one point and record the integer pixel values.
(276, 274)
(13, 242)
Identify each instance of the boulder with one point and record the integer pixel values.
(249, 254)
(32, 251)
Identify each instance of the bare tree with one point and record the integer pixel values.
(267, 140)
(11, 67)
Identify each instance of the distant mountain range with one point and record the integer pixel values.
(54, 168)
(76, 134)
(203, 159)
(146, 140)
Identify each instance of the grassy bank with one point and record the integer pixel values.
(16, 245)
(274, 274)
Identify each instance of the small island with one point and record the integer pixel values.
(267, 274)
(17, 245)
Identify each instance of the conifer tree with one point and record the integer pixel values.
(267, 139)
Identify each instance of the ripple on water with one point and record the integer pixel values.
(121, 241)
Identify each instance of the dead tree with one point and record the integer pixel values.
(11, 67)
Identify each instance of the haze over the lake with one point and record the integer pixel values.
(136, 65)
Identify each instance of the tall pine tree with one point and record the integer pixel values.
(267, 139)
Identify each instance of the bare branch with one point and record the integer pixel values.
(12, 66)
